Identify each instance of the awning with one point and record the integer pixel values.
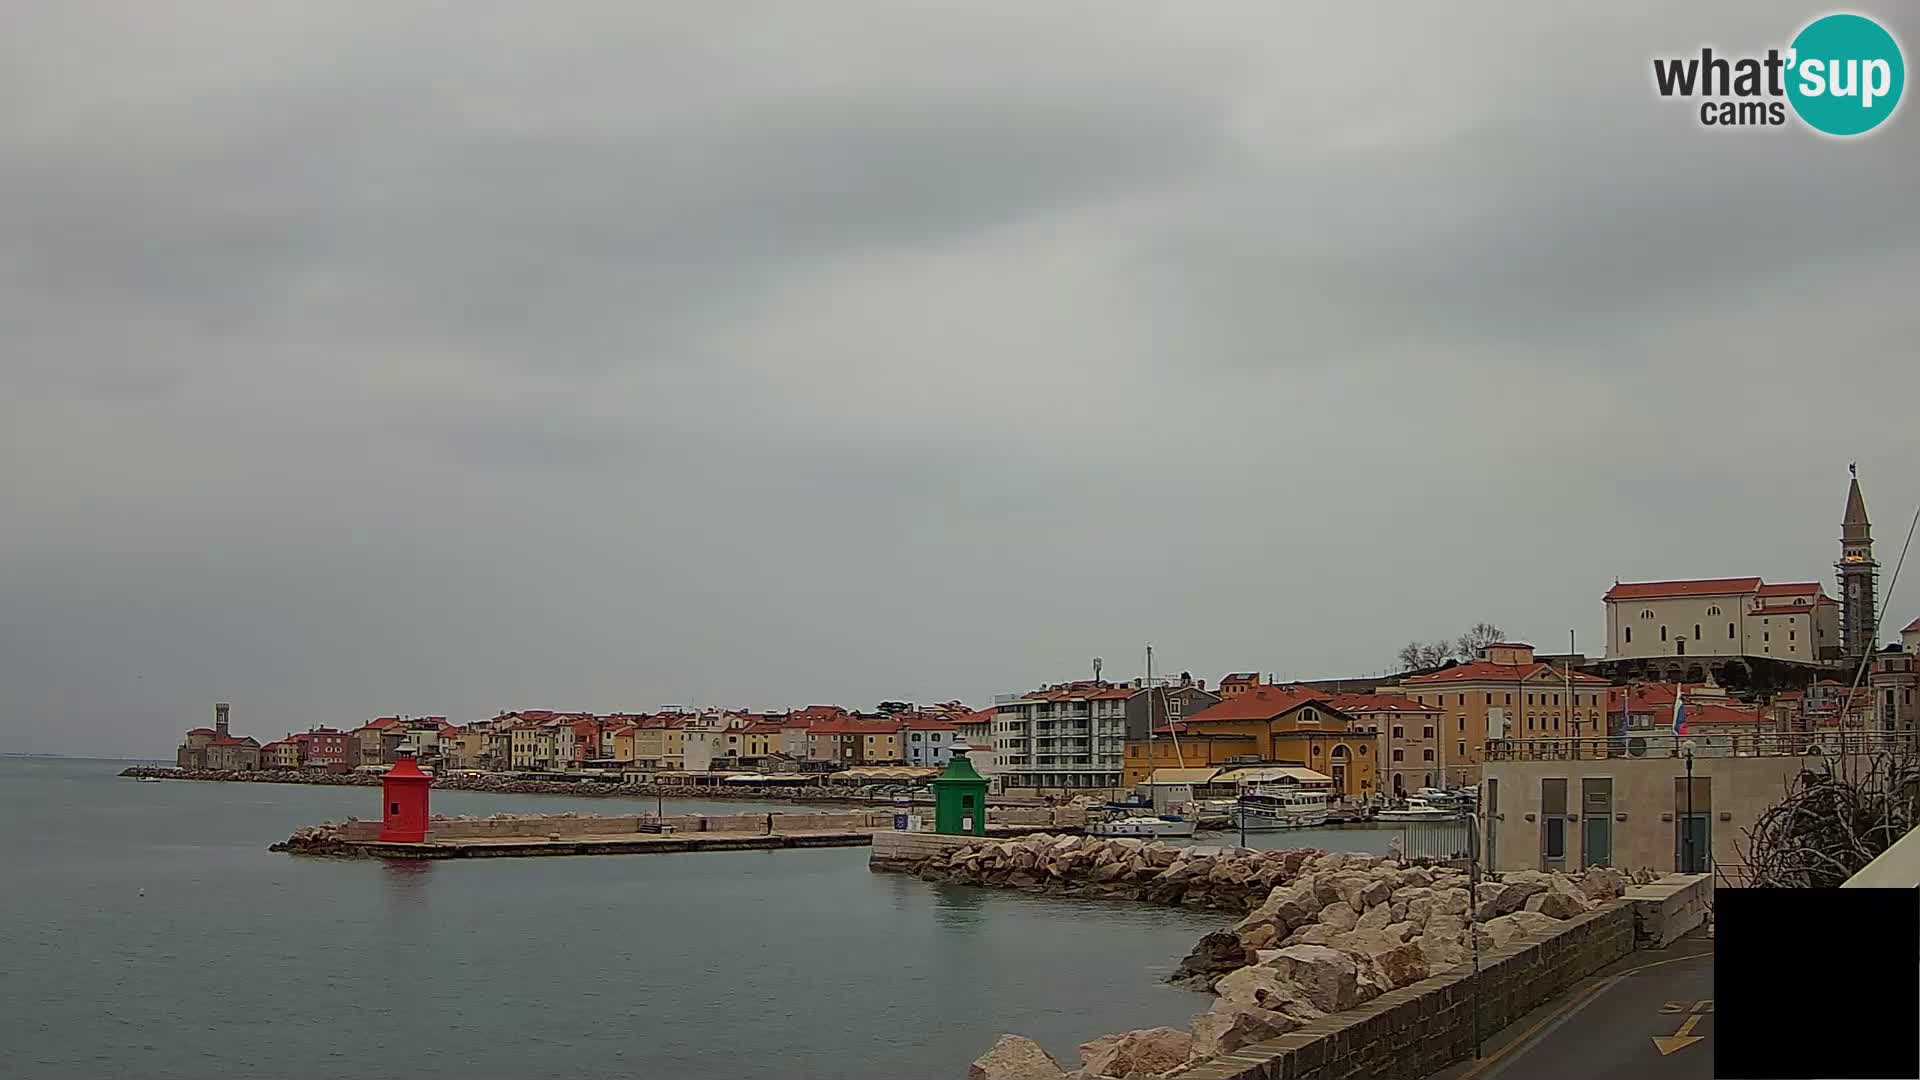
(1257, 774)
(1184, 776)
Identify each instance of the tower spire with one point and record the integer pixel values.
(1859, 573)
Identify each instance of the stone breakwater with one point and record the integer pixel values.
(507, 785)
(1229, 879)
(1323, 932)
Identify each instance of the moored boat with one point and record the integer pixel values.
(1161, 825)
(1264, 808)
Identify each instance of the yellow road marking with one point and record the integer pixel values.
(1681, 1039)
(1573, 1004)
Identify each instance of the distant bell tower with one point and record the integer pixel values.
(1859, 575)
(220, 719)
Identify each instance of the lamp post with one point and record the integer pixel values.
(1473, 931)
(1686, 829)
(1240, 811)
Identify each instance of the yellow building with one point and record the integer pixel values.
(663, 747)
(1277, 724)
(1509, 695)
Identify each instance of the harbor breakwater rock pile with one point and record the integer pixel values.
(508, 785)
(1326, 932)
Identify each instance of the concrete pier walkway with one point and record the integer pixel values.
(494, 847)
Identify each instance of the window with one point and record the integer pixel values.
(1461, 750)
(1463, 722)
(1489, 697)
(1556, 838)
(1429, 733)
(1427, 753)
(1663, 633)
(1399, 732)
(1363, 749)
(1696, 631)
(916, 736)
(1463, 699)
(1629, 635)
(1791, 635)
(1729, 631)
(1764, 636)
(1399, 754)
(1509, 699)
(1529, 699)
(1714, 610)
(393, 808)
(1646, 613)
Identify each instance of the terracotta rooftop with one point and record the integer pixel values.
(1651, 590)
(1488, 671)
(855, 727)
(1359, 703)
(1260, 703)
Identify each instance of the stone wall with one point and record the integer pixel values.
(1424, 1027)
(1663, 910)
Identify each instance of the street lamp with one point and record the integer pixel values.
(1686, 827)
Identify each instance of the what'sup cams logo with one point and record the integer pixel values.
(1842, 75)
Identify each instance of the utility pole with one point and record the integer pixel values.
(1686, 831)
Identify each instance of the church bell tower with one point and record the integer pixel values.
(1859, 575)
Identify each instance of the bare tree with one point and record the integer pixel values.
(1478, 636)
(1832, 821)
(1432, 654)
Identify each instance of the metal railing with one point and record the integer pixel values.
(1705, 744)
(1448, 841)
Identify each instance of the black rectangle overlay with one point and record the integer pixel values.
(1816, 983)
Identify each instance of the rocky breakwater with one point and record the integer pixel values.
(324, 839)
(1234, 880)
(1332, 932)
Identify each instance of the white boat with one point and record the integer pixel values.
(1263, 808)
(1163, 825)
(1417, 809)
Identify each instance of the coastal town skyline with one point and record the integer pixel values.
(931, 380)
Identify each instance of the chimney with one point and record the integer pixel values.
(220, 719)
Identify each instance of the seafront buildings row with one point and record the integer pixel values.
(1767, 672)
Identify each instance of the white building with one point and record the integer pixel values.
(1063, 738)
(929, 743)
(1722, 617)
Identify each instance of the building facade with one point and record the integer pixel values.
(1507, 694)
(1290, 725)
(1722, 618)
(1408, 746)
(1068, 737)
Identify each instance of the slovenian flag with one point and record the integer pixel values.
(1679, 713)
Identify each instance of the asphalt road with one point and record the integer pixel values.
(1647, 1017)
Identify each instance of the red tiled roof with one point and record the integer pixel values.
(1650, 590)
(1791, 588)
(1712, 713)
(1509, 645)
(1361, 703)
(1260, 703)
(928, 723)
(978, 716)
(1239, 677)
(1912, 627)
(203, 731)
(1488, 671)
(763, 729)
(855, 727)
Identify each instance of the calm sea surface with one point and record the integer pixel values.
(146, 931)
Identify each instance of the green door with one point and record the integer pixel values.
(1596, 841)
(1693, 845)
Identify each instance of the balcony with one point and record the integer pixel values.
(1704, 744)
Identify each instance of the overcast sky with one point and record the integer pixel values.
(435, 358)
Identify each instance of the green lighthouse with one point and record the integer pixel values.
(960, 798)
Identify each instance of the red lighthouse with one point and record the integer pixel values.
(404, 791)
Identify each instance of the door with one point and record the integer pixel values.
(1693, 851)
(1596, 845)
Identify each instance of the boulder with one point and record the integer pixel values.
(1325, 975)
(1602, 883)
(1263, 987)
(1401, 965)
(1015, 1058)
(1291, 906)
(1316, 934)
(1374, 918)
(1401, 931)
(1418, 877)
(1225, 1028)
(1216, 954)
(1518, 924)
(1562, 900)
(1453, 901)
(1339, 915)
(1442, 952)
(1094, 1047)
(1506, 897)
(1148, 1052)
